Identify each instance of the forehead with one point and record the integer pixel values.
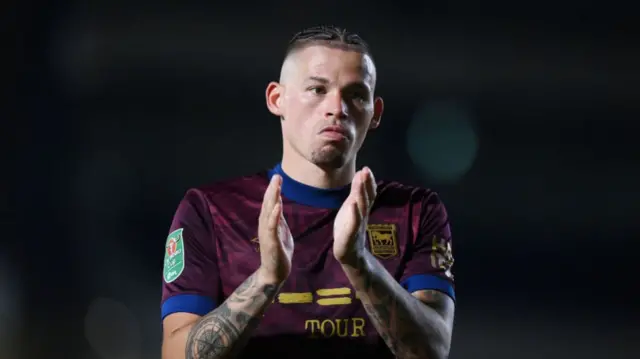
(335, 64)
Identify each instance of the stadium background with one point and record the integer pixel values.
(523, 116)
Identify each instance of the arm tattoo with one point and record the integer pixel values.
(409, 327)
(224, 332)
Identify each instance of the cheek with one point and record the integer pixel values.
(304, 113)
(364, 119)
(362, 125)
(298, 105)
(298, 121)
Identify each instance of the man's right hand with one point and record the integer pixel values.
(274, 236)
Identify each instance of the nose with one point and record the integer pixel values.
(336, 106)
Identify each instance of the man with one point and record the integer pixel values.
(370, 273)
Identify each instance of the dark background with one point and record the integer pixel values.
(522, 115)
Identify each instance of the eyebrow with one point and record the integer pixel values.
(358, 84)
(318, 79)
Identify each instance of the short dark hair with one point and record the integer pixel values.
(328, 35)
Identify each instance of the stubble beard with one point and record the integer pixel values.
(329, 157)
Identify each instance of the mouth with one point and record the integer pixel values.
(335, 133)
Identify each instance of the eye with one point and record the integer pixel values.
(359, 96)
(318, 90)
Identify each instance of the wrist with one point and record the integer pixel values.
(355, 258)
(267, 279)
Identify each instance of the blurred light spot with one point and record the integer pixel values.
(112, 330)
(11, 320)
(442, 142)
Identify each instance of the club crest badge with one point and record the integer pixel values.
(173, 256)
(382, 240)
(442, 255)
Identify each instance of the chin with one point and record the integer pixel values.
(329, 158)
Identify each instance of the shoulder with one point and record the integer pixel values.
(246, 187)
(227, 201)
(396, 193)
(421, 203)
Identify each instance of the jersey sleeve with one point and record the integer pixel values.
(190, 272)
(431, 261)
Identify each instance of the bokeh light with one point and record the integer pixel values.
(11, 318)
(112, 330)
(442, 142)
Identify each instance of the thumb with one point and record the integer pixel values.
(357, 212)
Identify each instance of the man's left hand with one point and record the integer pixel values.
(351, 221)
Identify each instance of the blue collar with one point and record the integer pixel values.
(310, 196)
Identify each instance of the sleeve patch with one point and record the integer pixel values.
(173, 256)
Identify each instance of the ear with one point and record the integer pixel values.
(273, 96)
(378, 108)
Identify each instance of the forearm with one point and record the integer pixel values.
(224, 332)
(410, 328)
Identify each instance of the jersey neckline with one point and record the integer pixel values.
(330, 198)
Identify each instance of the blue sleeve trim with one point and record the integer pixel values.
(188, 303)
(428, 281)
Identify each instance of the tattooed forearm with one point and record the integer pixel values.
(411, 328)
(224, 332)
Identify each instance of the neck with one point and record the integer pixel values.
(312, 175)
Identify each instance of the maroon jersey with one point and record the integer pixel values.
(212, 248)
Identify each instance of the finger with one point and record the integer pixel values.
(371, 186)
(363, 199)
(271, 196)
(283, 227)
(275, 216)
(356, 183)
(358, 195)
(356, 188)
(357, 212)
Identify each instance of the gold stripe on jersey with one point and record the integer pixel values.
(295, 298)
(334, 301)
(341, 296)
(327, 292)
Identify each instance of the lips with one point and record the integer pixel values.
(335, 132)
